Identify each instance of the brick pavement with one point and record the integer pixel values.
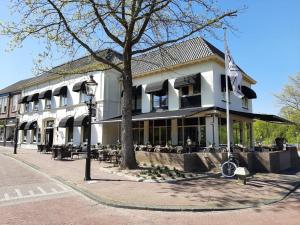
(204, 193)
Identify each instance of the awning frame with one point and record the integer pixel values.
(45, 94)
(186, 80)
(60, 91)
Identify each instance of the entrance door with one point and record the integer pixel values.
(49, 137)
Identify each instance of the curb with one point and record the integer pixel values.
(166, 208)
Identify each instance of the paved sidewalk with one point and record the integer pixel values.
(207, 193)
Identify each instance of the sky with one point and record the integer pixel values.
(266, 46)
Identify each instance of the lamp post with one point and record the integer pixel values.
(189, 143)
(90, 90)
(16, 136)
(297, 140)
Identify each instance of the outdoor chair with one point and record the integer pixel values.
(63, 152)
(179, 149)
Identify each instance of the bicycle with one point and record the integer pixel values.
(229, 167)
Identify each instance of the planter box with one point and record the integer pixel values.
(274, 162)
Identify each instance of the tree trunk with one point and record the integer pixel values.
(128, 154)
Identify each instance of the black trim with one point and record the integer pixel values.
(66, 122)
(136, 90)
(191, 111)
(60, 91)
(223, 83)
(81, 121)
(187, 80)
(80, 86)
(45, 94)
(22, 126)
(33, 98)
(30, 125)
(157, 88)
(23, 100)
(248, 92)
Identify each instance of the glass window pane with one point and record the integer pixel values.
(185, 90)
(156, 136)
(163, 136)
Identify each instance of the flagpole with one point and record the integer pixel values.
(227, 94)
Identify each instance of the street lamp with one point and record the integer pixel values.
(90, 90)
(189, 143)
(297, 140)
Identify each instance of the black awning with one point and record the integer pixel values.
(187, 80)
(223, 83)
(271, 118)
(248, 92)
(60, 91)
(23, 100)
(157, 88)
(136, 90)
(66, 122)
(181, 113)
(30, 125)
(81, 121)
(80, 86)
(172, 114)
(45, 94)
(22, 126)
(33, 98)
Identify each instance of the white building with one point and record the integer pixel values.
(178, 93)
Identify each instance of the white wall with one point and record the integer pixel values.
(206, 84)
(105, 98)
(235, 102)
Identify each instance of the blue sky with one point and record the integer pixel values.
(266, 46)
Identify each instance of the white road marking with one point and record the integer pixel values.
(54, 190)
(31, 192)
(62, 187)
(42, 190)
(19, 193)
(6, 197)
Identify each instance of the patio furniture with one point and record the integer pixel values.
(62, 152)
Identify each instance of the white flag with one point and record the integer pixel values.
(234, 73)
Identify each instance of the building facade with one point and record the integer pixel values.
(9, 109)
(177, 95)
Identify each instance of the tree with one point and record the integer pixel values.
(131, 27)
(289, 98)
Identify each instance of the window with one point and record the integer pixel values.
(222, 131)
(63, 100)
(1, 133)
(82, 97)
(85, 135)
(70, 134)
(15, 99)
(26, 107)
(159, 102)
(185, 90)
(39, 135)
(47, 103)
(24, 136)
(193, 128)
(35, 105)
(34, 135)
(160, 132)
(237, 132)
(197, 85)
(137, 102)
(245, 102)
(138, 132)
(3, 104)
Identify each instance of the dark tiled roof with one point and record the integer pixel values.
(15, 87)
(190, 50)
(183, 52)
